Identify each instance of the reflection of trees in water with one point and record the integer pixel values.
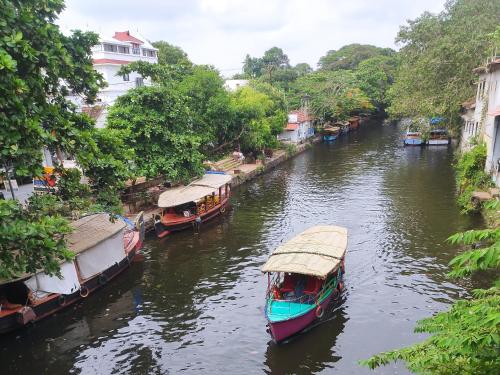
(421, 211)
(310, 351)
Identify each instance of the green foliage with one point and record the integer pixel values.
(30, 240)
(334, 94)
(259, 118)
(437, 58)
(169, 54)
(350, 56)
(40, 66)
(375, 76)
(158, 125)
(466, 338)
(470, 175)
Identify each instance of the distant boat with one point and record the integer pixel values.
(187, 206)
(304, 275)
(438, 137)
(354, 123)
(103, 249)
(330, 133)
(413, 139)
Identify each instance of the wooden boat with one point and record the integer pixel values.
(188, 206)
(304, 275)
(413, 139)
(354, 123)
(103, 249)
(438, 137)
(330, 133)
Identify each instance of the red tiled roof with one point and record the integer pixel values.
(110, 61)
(301, 116)
(292, 127)
(124, 36)
(489, 67)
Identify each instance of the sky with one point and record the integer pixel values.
(222, 32)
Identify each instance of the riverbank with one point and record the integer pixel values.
(247, 172)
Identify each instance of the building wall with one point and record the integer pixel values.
(492, 101)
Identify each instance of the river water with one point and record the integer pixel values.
(195, 303)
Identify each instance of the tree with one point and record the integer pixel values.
(466, 338)
(376, 75)
(259, 118)
(334, 95)
(252, 66)
(349, 56)
(210, 106)
(302, 69)
(169, 54)
(30, 240)
(159, 126)
(437, 58)
(39, 67)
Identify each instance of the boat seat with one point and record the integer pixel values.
(288, 284)
(313, 285)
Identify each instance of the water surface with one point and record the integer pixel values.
(195, 304)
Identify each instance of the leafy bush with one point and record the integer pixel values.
(30, 240)
(470, 175)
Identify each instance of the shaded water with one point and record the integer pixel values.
(195, 304)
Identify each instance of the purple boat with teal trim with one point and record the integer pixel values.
(304, 276)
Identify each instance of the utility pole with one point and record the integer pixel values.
(8, 180)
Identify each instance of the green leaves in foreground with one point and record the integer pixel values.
(30, 240)
(466, 338)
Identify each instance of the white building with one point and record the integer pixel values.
(234, 84)
(299, 127)
(485, 123)
(108, 57)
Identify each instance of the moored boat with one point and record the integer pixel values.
(438, 137)
(344, 127)
(307, 274)
(330, 133)
(354, 123)
(188, 206)
(413, 139)
(102, 250)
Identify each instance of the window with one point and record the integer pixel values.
(135, 49)
(144, 52)
(122, 49)
(110, 48)
(151, 53)
(126, 77)
(139, 82)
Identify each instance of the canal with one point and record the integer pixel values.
(195, 303)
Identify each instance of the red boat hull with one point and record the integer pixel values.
(163, 227)
(286, 328)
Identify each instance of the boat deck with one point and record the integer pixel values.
(278, 310)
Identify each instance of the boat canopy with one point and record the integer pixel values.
(91, 230)
(197, 189)
(316, 252)
(88, 232)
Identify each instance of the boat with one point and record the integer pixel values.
(353, 123)
(102, 248)
(188, 206)
(330, 133)
(413, 139)
(438, 137)
(344, 127)
(304, 275)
